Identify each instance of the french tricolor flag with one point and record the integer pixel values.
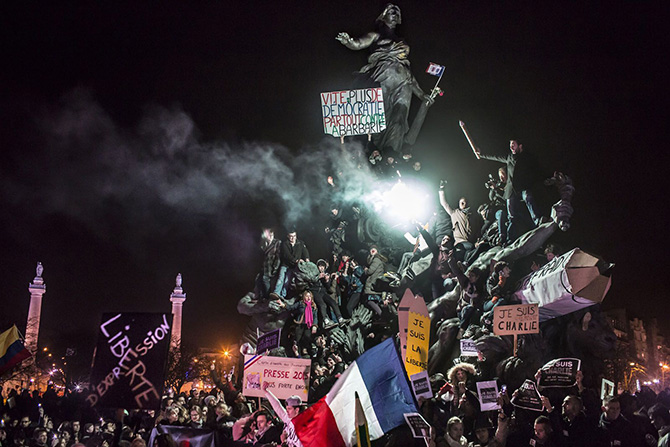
(435, 69)
(384, 392)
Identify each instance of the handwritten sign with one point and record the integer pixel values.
(516, 319)
(353, 112)
(269, 341)
(559, 373)
(418, 335)
(130, 357)
(285, 376)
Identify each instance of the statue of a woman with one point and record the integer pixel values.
(388, 65)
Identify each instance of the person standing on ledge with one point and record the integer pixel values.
(522, 173)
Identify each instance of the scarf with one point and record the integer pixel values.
(309, 318)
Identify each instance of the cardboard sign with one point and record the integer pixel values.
(353, 112)
(420, 428)
(468, 348)
(269, 341)
(527, 397)
(606, 389)
(130, 358)
(559, 373)
(566, 284)
(403, 319)
(488, 395)
(421, 385)
(418, 337)
(516, 319)
(285, 376)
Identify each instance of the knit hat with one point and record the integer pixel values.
(294, 401)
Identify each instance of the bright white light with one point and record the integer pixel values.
(402, 203)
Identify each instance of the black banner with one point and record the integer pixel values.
(268, 342)
(527, 397)
(559, 373)
(130, 358)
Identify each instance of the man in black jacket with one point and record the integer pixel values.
(271, 262)
(292, 252)
(522, 172)
(616, 429)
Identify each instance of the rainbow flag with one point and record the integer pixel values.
(12, 351)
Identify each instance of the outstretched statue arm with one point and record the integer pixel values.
(358, 44)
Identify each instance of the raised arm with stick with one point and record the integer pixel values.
(469, 138)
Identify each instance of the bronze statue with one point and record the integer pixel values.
(388, 65)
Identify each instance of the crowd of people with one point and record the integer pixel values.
(574, 416)
(439, 255)
(355, 290)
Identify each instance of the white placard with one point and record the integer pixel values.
(285, 376)
(421, 385)
(353, 112)
(488, 395)
(468, 348)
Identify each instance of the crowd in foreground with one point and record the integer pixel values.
(570, 417)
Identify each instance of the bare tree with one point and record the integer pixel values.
(184, 365)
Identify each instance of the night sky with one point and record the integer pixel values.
(143, 139)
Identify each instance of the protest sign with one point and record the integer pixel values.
(566, 284)
(421, 385)
(420, 428)
(418, 335)
(285, 376)
(516, 319)
(130, 358)
(468, 348)
(527, 397)
(187, 436)
(403, 319)
(269, 341)
(606, 389)
(488, 395)
(559, 373)
(353, 112)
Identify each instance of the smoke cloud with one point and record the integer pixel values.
(87, 167)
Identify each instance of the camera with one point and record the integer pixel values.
(491, 182)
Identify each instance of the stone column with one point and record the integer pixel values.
(177, 298)
(37, 288)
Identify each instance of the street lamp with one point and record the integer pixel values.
(664, 368)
